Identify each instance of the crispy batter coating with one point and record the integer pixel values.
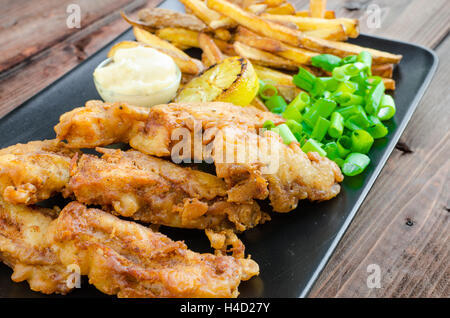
(155, 137)
(156, 191)
(24, 248)
(99, 124)
(34, 171)
(129, 260)
(297, 175)
(283, 172)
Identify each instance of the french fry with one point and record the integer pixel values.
(257, 9)
(383, 70)
(158, 18)
(212, 53)
(285, 8)
(260, 57)
(283, 82)
(389, 84)
(222, 34)
(254, 40)
(258, 103)
(328, 14)
(189, 38)
(184, 62)
(317, 8)
(297, 55)
(212, 18)
(343, 49)
(351, 26)
(180, 36)
(256, 24)
(337, 34)
(273, 3)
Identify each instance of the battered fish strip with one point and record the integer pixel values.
(24, 248)
(296, 175)
(34, 171)
(156, 191)
(129, 260)
(99, 124)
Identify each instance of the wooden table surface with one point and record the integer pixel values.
(402, 226)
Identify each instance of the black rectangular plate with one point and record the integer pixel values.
(294, 247)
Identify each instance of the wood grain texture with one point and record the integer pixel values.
(402, 226)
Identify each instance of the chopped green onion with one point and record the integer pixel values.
(347, 99)
(300, 101)
(294, 126)
(313, 146)
(276, 104)
(362, 141)
(267, 91)
(322, 107)
(366, 58)
(331, 149)
(304, 79)
(346, 87)
(320, 128)
(285, 134)
(268, 124)
(292, 112)
(348, 111)
(349, 59)
(336, 126)
(357, 121)
(344, 146)
(355, 163)
(326, 62)
(340, 74)
(376, 129)
(387, 108)
(330, 83)
(374, 97)
(319, 87)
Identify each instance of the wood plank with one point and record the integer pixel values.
(25, 19)
(403, 225)
(24, 81)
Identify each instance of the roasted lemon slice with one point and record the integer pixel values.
(233, 80)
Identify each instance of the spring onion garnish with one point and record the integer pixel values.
(338, 116)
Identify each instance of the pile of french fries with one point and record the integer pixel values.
(275, 37)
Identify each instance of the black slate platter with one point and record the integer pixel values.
(294, 247)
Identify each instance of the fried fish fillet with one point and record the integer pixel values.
(34, 171)
(129, 260)
(99, 124)
(24, 248)
(156, 191)
(168, 121)
(292, 176)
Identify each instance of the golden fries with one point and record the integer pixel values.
(257, 9)
(258, 103)
(328, 14)
(254, 40)
(389, 84)
(383, 70)
(344, 49)
(179, 36)
(317, 8)
(297, 55)
(212, 18)
(158, 18)
(260, 57)
(337, 34)
(185, 62)
(212, 53)
(285, 8)
(351, 26)
(256, 24)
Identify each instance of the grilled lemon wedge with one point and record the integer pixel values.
(233, 80)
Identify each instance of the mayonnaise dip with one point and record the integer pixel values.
(140, 76)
